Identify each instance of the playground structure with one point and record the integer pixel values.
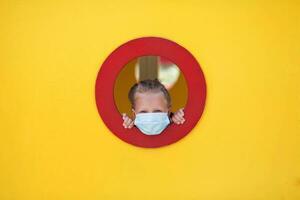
(55, 145)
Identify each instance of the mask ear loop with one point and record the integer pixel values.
(170, 117)
(170, 114)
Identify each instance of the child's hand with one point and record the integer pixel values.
(177, 117)
(128, 123)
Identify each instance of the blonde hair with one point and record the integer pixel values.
(148, 86)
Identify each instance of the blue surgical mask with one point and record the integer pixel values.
(152, 123)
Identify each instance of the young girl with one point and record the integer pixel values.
(151, 107)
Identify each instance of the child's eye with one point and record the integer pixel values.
(143, 111)
(156, 111)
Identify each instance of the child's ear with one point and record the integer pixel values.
(169, 109)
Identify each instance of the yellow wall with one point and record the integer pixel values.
(53, 144)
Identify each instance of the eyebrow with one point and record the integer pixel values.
(144, 111)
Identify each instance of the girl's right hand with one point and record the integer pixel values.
(127, 121)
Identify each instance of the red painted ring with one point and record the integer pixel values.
(104, 90)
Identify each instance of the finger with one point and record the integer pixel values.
(181, 112)
(123, 115)
(176, 119)
(127, 121)
(124, 124)
(131, 125)
(178, 113)
(181, 119)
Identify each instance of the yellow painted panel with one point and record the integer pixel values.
(54, 145)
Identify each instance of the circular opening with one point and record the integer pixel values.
(150, 67)
(113, 65)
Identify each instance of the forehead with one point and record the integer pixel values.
(147, 97)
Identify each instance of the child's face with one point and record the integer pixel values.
(150, 102)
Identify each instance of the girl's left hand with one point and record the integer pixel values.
(178, 117)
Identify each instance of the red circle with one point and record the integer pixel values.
(114, 63)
